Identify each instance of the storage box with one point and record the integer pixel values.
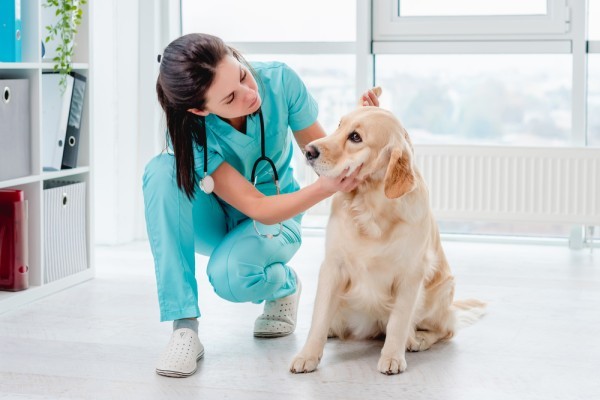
(15, 132)
(14, 249)
(65, 251)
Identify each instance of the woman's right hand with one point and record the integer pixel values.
(341, 183)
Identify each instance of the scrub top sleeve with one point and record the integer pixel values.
(302, 108)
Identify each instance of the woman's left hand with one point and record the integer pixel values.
(370, 97)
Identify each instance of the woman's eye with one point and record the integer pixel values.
(355, 137)
(230, 101)
(244, 76)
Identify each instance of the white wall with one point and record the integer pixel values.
(115, 44)
(127, 37)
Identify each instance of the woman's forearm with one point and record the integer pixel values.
(270, 210)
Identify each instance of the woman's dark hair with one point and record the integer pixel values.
(187, 70)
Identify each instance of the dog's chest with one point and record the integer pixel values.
(370, 287)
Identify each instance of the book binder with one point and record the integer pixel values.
(15, 132)
(14, 269)
(55, 116)
(71, 147)
(10, 31)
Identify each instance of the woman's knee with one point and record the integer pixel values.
(244, 279)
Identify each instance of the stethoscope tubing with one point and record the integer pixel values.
(206, 184)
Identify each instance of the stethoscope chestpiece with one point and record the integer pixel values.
(207, 184)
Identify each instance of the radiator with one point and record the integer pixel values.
(485, 183)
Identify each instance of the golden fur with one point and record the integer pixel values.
(385, 272)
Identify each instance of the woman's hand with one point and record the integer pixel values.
(341, 183)
(370, 97)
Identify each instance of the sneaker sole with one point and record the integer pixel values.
(177, 374)
(266, 335)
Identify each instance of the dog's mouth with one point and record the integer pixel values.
(324, 168)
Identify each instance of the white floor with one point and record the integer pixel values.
(100, 339)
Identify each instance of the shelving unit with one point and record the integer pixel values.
(34, 19)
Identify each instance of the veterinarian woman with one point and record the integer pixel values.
(199, 195)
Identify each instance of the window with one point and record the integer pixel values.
(593, 123)
(402, 19)
(594, 20)
(329, 79)
(498, 99)
(271, 20)
(423, 8)
(593, 110)
(482, 72)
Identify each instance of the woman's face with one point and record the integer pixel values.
(233, 93)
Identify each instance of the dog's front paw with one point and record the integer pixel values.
(304, 363)
(391, 365)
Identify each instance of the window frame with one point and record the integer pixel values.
(389, 25)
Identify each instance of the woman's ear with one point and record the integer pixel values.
(200, 113)
(399, 177)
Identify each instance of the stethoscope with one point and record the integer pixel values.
(207, 184)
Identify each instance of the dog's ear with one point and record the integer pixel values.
(399, 177)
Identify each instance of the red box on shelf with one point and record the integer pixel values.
(14, 268)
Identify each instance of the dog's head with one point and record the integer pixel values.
(371, 137)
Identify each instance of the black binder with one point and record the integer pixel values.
(74, 124)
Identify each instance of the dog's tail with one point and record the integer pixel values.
(467, 312)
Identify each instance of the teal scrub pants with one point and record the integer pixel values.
(243, 267)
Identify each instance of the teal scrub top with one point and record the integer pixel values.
(286, 103)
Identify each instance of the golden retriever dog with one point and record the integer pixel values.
(385, 272)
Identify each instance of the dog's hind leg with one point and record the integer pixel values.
(423, 340)
(437, 320)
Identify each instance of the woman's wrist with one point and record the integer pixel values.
(322, 190)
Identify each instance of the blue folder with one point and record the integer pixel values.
(10, 30)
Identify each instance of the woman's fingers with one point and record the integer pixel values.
(369, 98)
(350, 182)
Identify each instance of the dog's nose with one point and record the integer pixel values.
(311, 153)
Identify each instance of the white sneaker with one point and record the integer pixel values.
(180, 358)
(279, 316)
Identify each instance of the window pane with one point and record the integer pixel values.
(444, 8)
(594, 20)
(594, 100)
(500, 99)
(272, 20)
(330, 80)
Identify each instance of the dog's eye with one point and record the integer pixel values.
(354, 137)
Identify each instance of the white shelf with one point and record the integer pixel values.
(47, 66)
(11, 300)
(36, 17)
(21, 65)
